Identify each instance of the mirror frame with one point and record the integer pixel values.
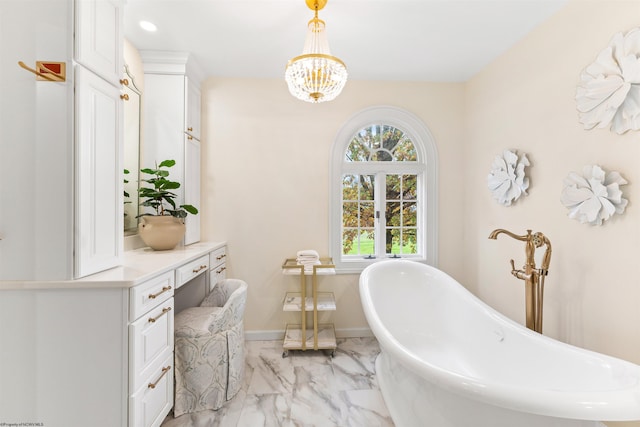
(132, 146)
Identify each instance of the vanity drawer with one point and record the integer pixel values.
(151, 403)
(216, 275)
(150, 338)
(217, 257)
(148, 295)
(191, 270)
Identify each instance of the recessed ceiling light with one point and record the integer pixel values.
(149, 26)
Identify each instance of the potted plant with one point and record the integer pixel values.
(165, 228)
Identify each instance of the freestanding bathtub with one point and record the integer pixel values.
(449, 360)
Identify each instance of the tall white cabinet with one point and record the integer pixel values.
(61, 192)
(98, 49)
(172, 118)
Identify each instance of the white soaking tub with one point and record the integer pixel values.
(449, 360)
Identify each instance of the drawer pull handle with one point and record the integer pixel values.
(219, 257)
(220, 270)
(164, 289)
(164, 311)
(202, 267)
(164, 372)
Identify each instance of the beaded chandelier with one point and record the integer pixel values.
(316, 75)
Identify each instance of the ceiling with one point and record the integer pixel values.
(411, 40)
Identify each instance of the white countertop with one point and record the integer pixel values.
(137, 266)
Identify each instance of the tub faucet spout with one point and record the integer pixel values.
(495, 233)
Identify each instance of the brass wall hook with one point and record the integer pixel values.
(50, 71)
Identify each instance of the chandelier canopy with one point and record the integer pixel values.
(316, 75)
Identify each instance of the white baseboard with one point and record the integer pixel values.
(278, 335)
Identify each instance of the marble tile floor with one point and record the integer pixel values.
(304, 389)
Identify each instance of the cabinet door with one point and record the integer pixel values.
(98, 196)
(192, 188)
(193, 106)
(99, 37)
(150, 341)
(149, 406)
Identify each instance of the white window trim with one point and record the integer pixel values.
(426, 150)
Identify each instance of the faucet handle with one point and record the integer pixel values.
(519, 273)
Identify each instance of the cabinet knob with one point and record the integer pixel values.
(124, 96)
(190, 129)
(124, 82)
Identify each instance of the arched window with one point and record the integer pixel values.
(383, 190)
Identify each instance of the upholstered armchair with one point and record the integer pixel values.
(209, 349)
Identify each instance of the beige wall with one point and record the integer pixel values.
(526, 101)
(265, 180)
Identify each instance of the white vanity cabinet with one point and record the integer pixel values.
(172, 118)
(97, 351)
(151, 307)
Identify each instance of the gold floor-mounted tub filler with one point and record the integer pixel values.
(533, 277)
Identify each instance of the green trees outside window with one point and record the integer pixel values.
(381, 205)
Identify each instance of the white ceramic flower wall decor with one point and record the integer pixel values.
(595, 196)
(609, 90)
(507, 180)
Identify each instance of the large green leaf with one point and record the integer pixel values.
(190, 208)
(167, 163)
(170, 185)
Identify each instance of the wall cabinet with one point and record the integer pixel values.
(193, 116)
(98, 136)
(99, 37)
(98, 175)
(172, 118)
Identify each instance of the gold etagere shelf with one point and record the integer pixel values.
(302, 336)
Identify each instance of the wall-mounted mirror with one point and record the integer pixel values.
(132, 114)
